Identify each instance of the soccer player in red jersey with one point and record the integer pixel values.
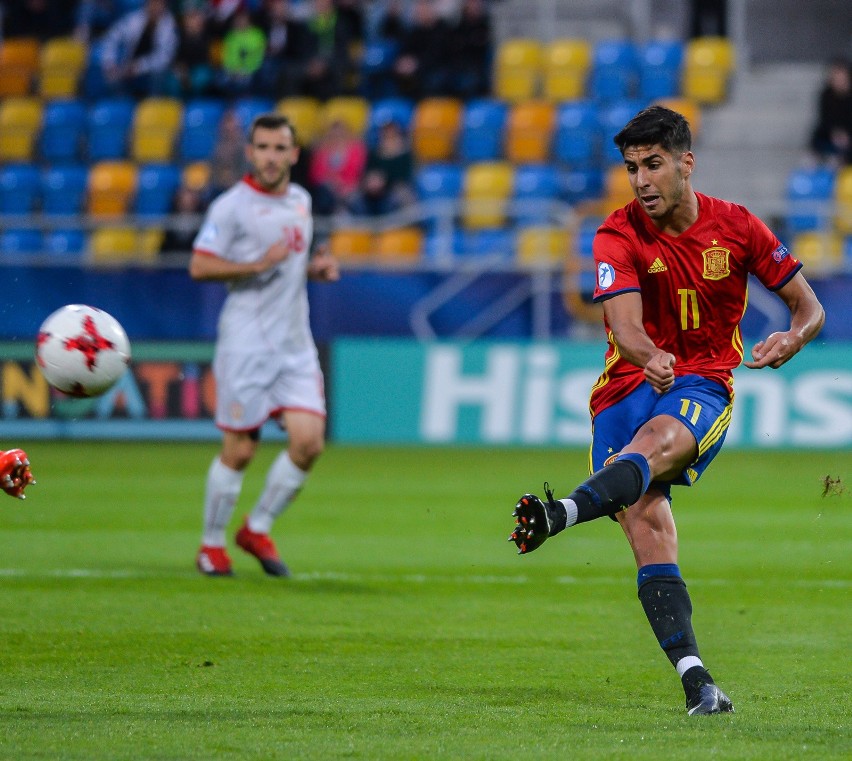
(672, 275)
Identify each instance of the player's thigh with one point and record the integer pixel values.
(243, 383)
(667, 444)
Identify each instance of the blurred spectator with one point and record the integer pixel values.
(93, 18)
(331, 36)
(421, 68)
(228, 162)
(708, 18)
(392, 25)
(243, 51)
(193, 68)
(387, 185)
(286, 48)
(336, 169)
(222, 14)
(471, 51)
(187, 208)
(831, 139)
(38, 18)
(138, 50)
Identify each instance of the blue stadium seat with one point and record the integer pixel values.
(107, 128)
(200, 128)
(488, 241)
(63, 189)
(246, 109)
(586, 231)
(438, 182)
(614, 70)
(810, 192)
(156, 188)
(21, 241)
(612, 118)
(579, 185)
(19, 188)
(68, 244)
(536, 188)
(576, 137)
(442, 245)
(482, 128)
(94, 84)
(660, 65)
(400, 110)
(62, 130)
(376, 62)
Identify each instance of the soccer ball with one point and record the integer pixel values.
(81, 350)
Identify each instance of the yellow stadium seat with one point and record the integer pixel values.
(112, 185)
(156, 123)
(18, 65)
(148, 242)
(351, 243)
(529, 129)
(487, 188)
(435, 128)
(517, 69)
(617, 190)
(689, 108)
(542, 244)
(400, 244)
(113, 245)
(304, 115)
(820, 252)
(843, 201)
(60, 67)
(708, 63)
(196, 175)
(20, 121)
(352, 110)
(566, 66)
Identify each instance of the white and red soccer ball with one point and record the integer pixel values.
(81, 350)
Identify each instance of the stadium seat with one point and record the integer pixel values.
(442, 245)
(156, 122)
(517, 69)
(148, 243)
(487, 187)
(614, 71)
(196, 176)
(20, 121)
(402, 244)
(566, 68)
(660, 65)
(107, 127)
(63, 189)
(577, 134)
(541, 244)
(352, 110)
(809, 197)
(21, 241)
(529, 130)
(155, 189)
(536, 188)
(376, 62)
(112, 185)
(63, 131)
(688, 108)
(492, 242)
(68, 244)
(304, 115)
(61, 65)
(579, 283)
(578, 186)
(248, 108)
(482, 128)
(200, 128)
(18, 65)
(708, 63)
(399, 110)
(435, 128)
(113, 245)
(584, 253)
(843, 200)
(439, 188)
(617, 189)
(20, 188)
(351, 243)
(820, 252)
(611, 118)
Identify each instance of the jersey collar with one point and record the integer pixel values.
(254, 185)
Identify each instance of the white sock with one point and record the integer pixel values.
(223, 489)
(283, 482)
(685, 664)
(571, 511)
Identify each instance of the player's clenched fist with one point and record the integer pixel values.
(15, 473)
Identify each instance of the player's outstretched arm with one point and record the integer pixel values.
(15, 473)
(806, 320)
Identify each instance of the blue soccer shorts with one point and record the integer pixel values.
(701, 405)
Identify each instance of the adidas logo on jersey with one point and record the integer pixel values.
(657, 266)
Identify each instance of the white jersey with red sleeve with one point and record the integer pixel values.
(266, 312)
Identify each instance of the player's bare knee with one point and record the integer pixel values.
(305, 453)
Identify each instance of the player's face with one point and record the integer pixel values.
(271, 155)
(659, 179)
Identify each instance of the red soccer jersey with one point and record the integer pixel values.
(694, 287)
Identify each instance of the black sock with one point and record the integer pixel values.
(613, 487)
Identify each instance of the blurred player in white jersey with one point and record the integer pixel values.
(257, 238)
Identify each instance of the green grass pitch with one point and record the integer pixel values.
(411, 629)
